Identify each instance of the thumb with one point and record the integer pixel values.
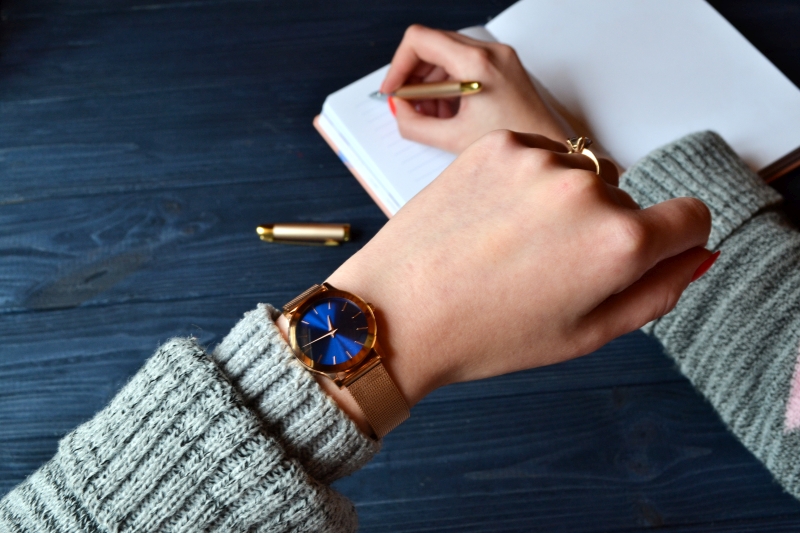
(650, 297)
(433, 131)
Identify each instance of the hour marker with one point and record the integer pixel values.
(344, 306)
(315, 311)
(359, 343)
(348, 353)
(329, 305)
(304, 322)
(334, 359)
(365, 327)
(355, 315)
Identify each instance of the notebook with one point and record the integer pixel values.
(632, 75)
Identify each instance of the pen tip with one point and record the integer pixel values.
(377, 95)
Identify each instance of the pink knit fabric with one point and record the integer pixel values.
(792, 420)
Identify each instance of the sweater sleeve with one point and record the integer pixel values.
(735, 332)
(189, 446)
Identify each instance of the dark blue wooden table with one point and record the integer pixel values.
(140, 145)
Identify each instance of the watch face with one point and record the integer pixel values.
(332, 331)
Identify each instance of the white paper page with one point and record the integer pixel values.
(641, 73)
(370, 130)
(354, 162)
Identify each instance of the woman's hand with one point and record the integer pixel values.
(508, 100)
(518, 255)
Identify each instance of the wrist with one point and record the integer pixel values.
(344, 400)
(400, 325)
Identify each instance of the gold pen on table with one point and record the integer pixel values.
(427, 91)
(307, 233)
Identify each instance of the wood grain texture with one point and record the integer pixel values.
(142, 142)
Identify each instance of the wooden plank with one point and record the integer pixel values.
(141, 96)
(57, 368)
(584, 460)
(177, 244)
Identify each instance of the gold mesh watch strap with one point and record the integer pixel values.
(379, 400)
(308, 292)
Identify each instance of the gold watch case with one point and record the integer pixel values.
(341, 373)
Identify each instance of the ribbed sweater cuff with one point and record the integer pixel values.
(291, 405)
(701, 165)
(175, 450)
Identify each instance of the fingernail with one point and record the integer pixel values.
(704, 266)
(391, 107)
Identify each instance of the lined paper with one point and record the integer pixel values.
(376, 148)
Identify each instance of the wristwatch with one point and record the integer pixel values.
(333, 333)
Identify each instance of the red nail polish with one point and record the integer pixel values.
(391, 107)
(704, 266)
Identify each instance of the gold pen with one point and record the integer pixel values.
(306, 233)
(426, 91)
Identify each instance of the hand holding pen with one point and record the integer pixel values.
(508, 99)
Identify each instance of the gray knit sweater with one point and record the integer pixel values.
(243, 439)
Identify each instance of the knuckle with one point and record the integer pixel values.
(630, 237)
(480, 58)
(667, 303)
(575, 185)
(544, 160)
(414, 31)
(698, 211)
(504, 52)
(584, 181)
(499, 140)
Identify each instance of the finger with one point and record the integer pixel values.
(426, 107)
(650, 297)
(436, 74)
(534, 140)
(440, 108)
(671, 228)
(422, 128)
(460, 37)
(418, 75)
(424, 45)
(623, 198)
(445, 108)
(609, 172)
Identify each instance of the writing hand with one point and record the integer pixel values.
(509, 99)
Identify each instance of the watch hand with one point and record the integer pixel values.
(330, 327)
(330, 333)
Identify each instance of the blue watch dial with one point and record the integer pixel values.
(332, 331)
